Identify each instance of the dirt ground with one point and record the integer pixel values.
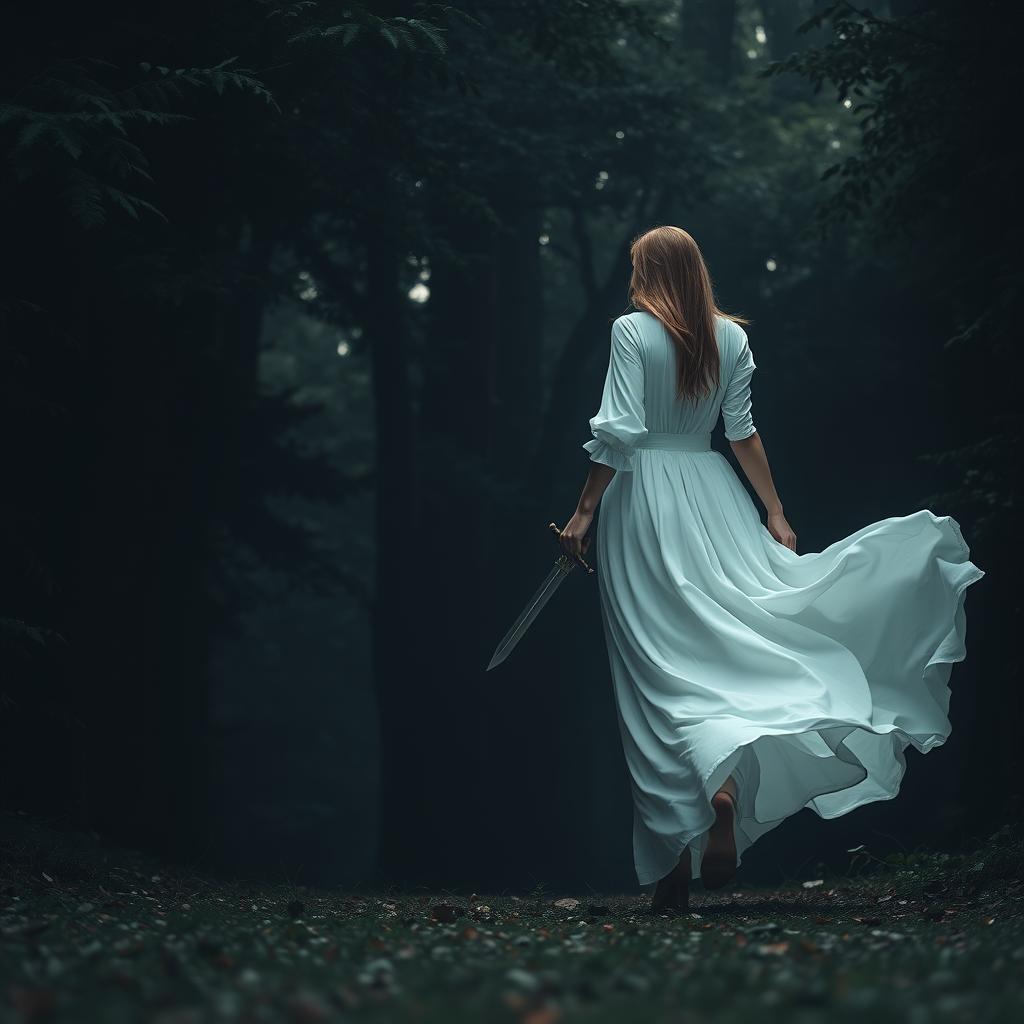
(89, 934)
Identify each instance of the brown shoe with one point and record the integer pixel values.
(673, 891)
(718, 866)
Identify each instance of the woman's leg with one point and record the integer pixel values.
(730, 787)
(718, 866)
(673, 891)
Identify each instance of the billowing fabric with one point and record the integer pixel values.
(805, 676)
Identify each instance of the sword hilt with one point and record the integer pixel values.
(579, 558)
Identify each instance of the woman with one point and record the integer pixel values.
(750, 681)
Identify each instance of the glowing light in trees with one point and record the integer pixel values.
(309, 291)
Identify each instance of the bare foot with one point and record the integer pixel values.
(673, 891)
(718, 866)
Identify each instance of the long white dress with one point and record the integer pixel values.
(805, 676)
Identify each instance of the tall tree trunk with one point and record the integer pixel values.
(161, 465)
(400, 668)
(459, 373)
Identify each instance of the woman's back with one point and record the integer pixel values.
(642, 337)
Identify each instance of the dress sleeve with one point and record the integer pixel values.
(619, 423)
(736, 404)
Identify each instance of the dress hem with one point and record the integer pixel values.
(933, 740)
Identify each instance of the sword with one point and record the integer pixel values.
(564, 564)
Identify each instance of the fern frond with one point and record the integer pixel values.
(386, 31)
(43, 127)
(346, 32)
(217, 77)
(84, 199)
(70, 123)
(125, 159)
(131, 205)
(431, 33)
(412, 35)
(88, 201)
(437, 12)
(293, 10)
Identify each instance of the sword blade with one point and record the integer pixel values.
(551, 583)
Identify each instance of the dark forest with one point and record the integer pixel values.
(303, 312)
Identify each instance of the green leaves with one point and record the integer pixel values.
(217, 78)
(74, 126)
(411, 36)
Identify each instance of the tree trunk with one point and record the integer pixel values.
(161, 466)
(400, 667)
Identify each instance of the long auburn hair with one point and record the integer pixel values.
(671, 281)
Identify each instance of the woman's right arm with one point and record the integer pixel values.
(751, 456)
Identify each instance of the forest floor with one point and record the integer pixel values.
(89, 935)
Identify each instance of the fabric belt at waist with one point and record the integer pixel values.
(676, 442)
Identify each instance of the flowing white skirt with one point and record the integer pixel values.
(805, 676)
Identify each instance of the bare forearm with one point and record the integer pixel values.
(598, 479)
(751, 456)
(575, 538)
